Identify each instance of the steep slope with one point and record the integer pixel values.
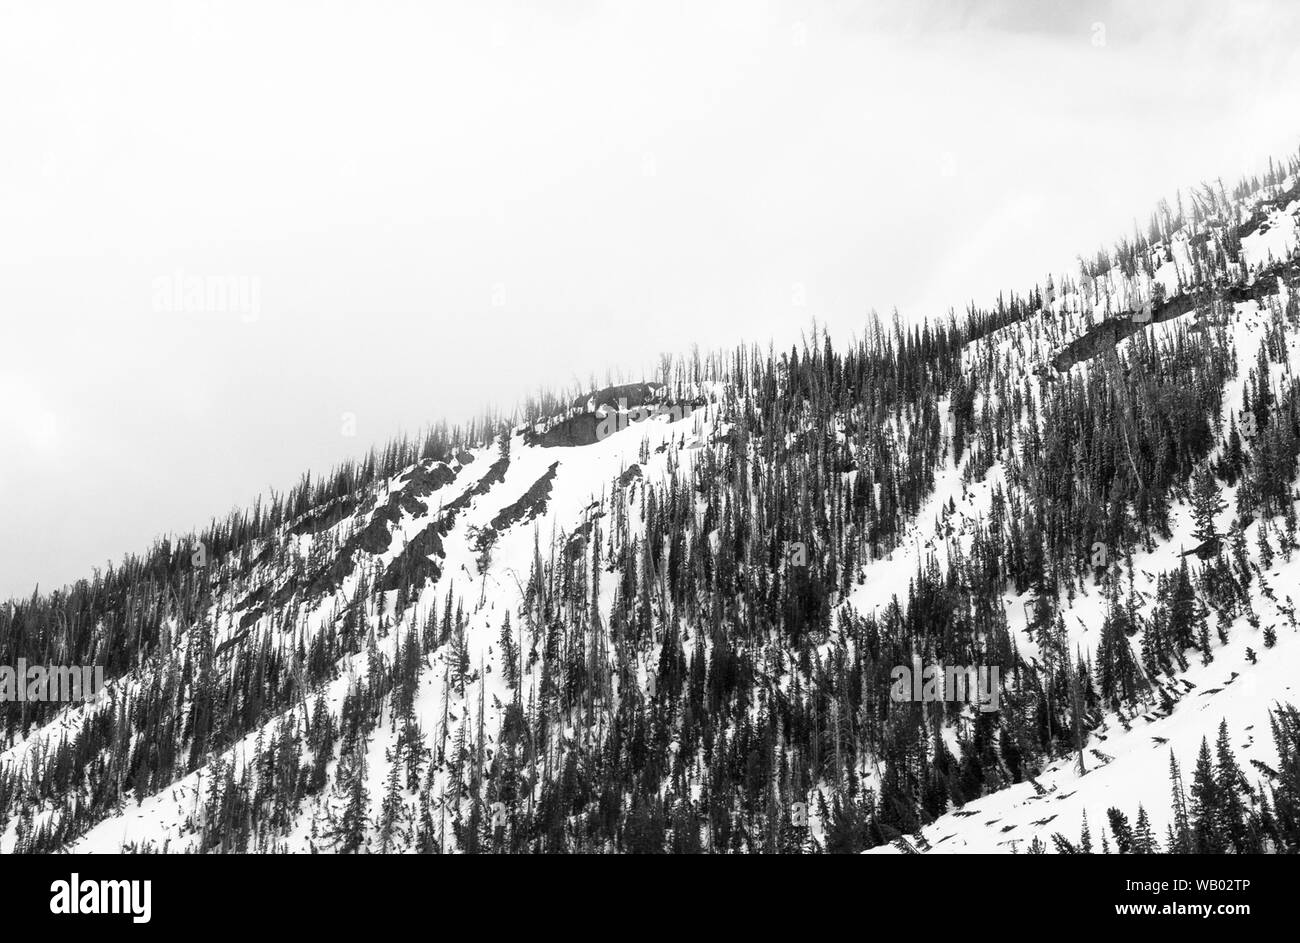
(666, 616)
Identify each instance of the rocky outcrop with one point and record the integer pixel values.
(629, 476)
(628, 394)
(531, 504)
(1104, 336)
(574, 432)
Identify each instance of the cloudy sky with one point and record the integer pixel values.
(223, 226)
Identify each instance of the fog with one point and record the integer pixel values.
(243, 240)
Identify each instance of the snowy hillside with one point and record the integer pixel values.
(666, 616)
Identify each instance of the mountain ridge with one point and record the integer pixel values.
(501, 638)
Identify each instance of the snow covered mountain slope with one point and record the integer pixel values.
(668, 616)
(1127, 761)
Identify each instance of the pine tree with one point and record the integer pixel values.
(391, 807)
(351, 833)
(1265, 548)
(1180, 832)
(1207, 838)
(413, 750)
(1207, 503)
(1124, 840)
(1232, 791)
(509, 654)
(1144, 841)
(1182, 610)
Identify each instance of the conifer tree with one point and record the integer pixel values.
(392, 806)
(1206, 809)
(1206, 505)
(1144, 841)
(351, 832)
(1180, 839)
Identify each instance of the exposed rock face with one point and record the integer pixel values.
(632, 474)
(630, 394)
(624, 411)
(530, 504)
(1261, 212)
(1100, 337)
(422, 481)
(494, 475)
(576, 545)
(420, 560)
(1104, 336)
(578, 430)
(376, 536)
(324, 516)
(573, 432)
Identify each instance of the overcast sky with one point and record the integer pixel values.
(418, 209)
